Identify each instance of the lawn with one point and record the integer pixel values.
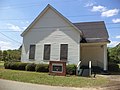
(44, 78)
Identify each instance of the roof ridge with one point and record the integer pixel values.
(89, 22)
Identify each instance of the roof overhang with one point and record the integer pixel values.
(94, 40)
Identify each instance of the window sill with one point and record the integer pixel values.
(31, 59)
(46, 60)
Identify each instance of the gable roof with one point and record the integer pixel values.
(93, 31)
(42, 13)
(90, 31)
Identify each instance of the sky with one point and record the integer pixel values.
(16, 15)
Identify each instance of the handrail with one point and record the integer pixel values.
(78, 64)
(78, 68)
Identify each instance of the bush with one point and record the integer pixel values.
(30, 67)
(113, 67)
(42, 68)
(7, 65)
(14, 65)
(22, 66)
(11, 65)
(114, 61)
(71, 69)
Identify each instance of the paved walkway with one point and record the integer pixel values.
(14, 85)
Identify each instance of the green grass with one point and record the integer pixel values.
(44, 78)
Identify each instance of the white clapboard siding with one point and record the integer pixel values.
(41, 33)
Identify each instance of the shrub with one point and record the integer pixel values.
(113, 67)
(11, 65)
(71, 69)
(42, 68)
(30, 67)
(14, 65)
(22, 66)
(7, 65)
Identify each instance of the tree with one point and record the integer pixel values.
(118, 52)
(5, 56)
(14, 55)
(0, 55)
(10, 55)
(114, 54)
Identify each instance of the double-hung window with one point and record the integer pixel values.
(32, 52)
(63, 51)
(47, 48)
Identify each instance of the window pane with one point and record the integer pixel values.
(47, 52)
(32, 52)
(64, 52)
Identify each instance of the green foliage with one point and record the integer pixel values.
(113, 67)
(114, 54)
(10, 55)
(1, 65)
(15, 65)
(0, 55)
(7, 65)
(71, 69)
(22, 66)
(30, 67)
(26, 66)
(5, 56)
(42, 68)
(14, 55)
